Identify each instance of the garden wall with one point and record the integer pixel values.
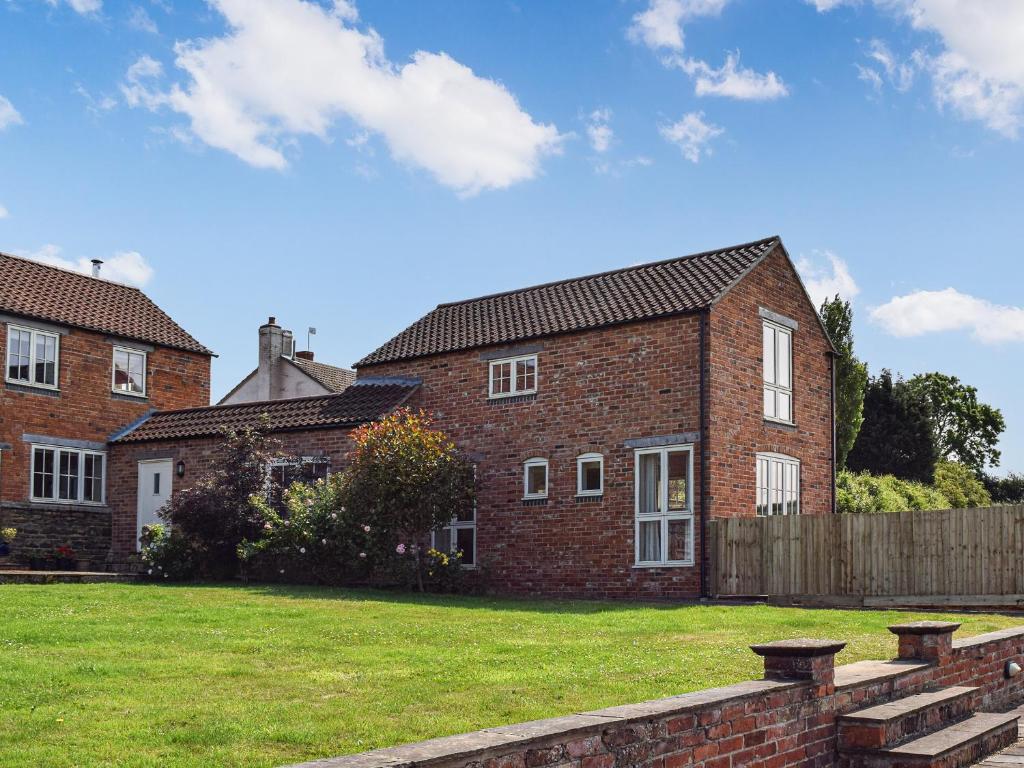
(787, 719)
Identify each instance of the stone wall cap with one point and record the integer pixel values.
(925, 628)
(799, 646)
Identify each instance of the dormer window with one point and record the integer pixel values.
(513, 376)
(129, 372)
(32, 357)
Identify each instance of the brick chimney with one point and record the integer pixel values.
(272, 341)
(305, 354)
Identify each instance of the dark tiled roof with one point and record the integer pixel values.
(643, 292)
(363, 402)
(39, 291)
(331, 376)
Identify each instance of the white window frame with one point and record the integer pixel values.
(588, 458)
(764, 463)
(536, 462)
(664, 515)
(455, 525)
(80, 496)
(145, 374)
(513, 362)
(774, 387)
(34, 333)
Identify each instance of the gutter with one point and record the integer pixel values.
(832, 420)
(705, 433)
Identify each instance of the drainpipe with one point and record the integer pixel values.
(832, 420)
(704, 443)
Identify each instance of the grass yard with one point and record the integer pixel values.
(139, 675)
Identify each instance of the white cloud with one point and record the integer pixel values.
(901, 73)
(692, 135)
(924, 312)
(8, 114)
(869, 76)
(661, 25)
(4, 213)
(84, 7)
(287, 68)
(823, 283)
(827, 5)
(599, 131)
(733, 81)
(139, 19)
(978, 72)
(123, 267)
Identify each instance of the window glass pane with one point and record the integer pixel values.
(464, 541)
(526, 375)
(678, 471)
(650, 541)
(762, 486)
(785, 342)
(769, 402)
(68, 476)
(769, 354)
(536, 479)
(46, 359)
(156, 483)
(17, 355)
(443, 539)
(42, 475)
(679, 539)
(590, 475)
(92, 478)
(467, 515)
(776, 486)
(650, 483)
(501, 378)
(785, 412)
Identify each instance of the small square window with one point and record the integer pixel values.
(129, 371)
(32, 357)
(514, 376)
(535, 479)
(590, 474)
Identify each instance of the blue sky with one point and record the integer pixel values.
(348, 167)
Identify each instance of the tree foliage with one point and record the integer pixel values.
(896, 437)
(851, 376)
(216, 514)
(865, 493)
(961, 486)
(406, 479)
(965, 430)
(1005, 490)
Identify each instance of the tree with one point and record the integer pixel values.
(215, 515)
(966, 431)
(1005, 490)
(851, 376)
(896, 437)
(961, 486)
(406, 479)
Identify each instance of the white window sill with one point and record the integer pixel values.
(535, 498)
(33, 385)
(673, 564)
(505, 395)
(584, 494)
(139, 395)
(68, 502)
(785, 423)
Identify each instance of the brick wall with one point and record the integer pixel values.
(771, 723)
(738, 430)
(596, 390)
(201, 456)
(84, 408)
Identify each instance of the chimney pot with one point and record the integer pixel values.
(305, 354)
(96, 264)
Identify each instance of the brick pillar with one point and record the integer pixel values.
(926, 640)
(800, 659)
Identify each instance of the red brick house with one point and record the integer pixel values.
(612, 415)
(83, 357)
(167, 450)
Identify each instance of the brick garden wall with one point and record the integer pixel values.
(84, 408)
(596, 389)
(738, 429)
(771, 723)
(200, 456)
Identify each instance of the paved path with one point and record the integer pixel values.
(1011, 757)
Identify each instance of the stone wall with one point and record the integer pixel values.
(787, 719)
(44, 527)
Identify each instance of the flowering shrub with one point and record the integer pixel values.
(7, 535)
(165, 556)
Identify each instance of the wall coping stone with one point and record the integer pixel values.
(799, 647)
(989, 637)
(871, 671)
(925, 628)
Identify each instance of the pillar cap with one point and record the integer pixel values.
(799, 647)
(925, 628)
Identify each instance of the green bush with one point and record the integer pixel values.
(861, 492)
(166, 555)
(961, 486)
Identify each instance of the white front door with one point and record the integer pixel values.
(154, 491)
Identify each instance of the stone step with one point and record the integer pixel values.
(955, 746)
(889, 724)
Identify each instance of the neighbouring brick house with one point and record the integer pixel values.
(611, 415)
(169, 450)
(83, 357)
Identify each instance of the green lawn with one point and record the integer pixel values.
(125, 675)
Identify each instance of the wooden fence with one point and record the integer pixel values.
(940, 553)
